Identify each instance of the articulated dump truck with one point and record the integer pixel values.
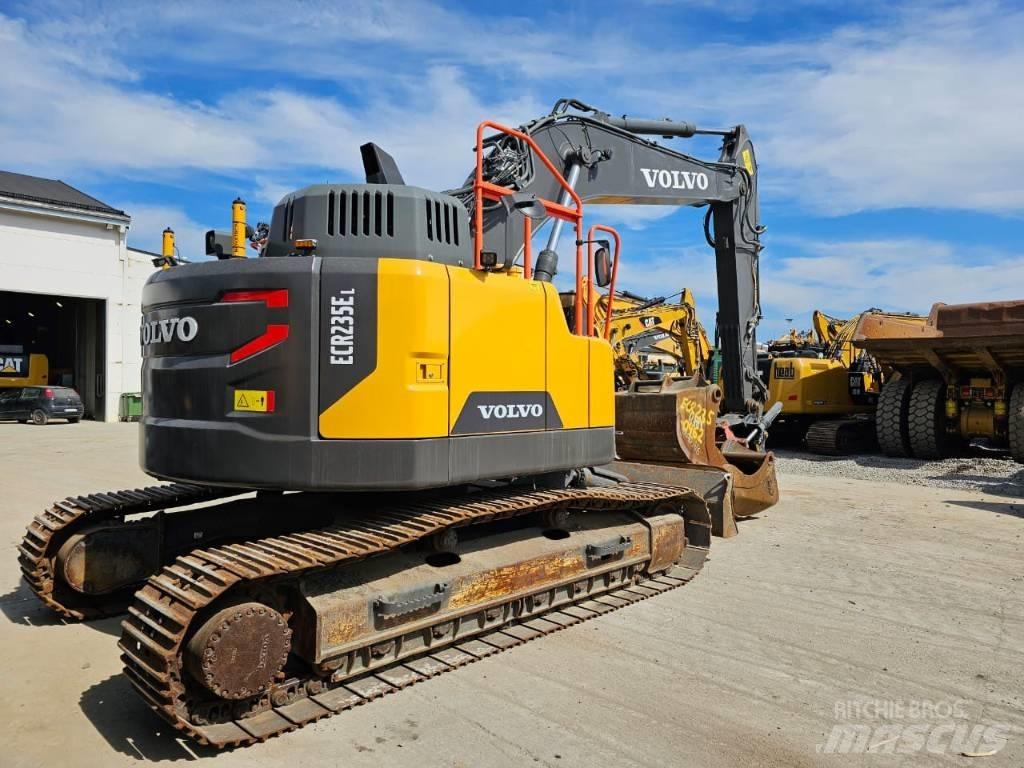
(386, 445)
(956, 377)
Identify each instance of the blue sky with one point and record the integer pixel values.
(889, 135)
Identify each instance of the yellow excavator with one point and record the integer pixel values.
(828, 389)
(21, 369)
(644, 332)
(426, 435)
(795, 340)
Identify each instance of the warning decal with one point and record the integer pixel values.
(255, 400)
(748, 161)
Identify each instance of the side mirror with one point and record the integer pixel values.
(602, 266)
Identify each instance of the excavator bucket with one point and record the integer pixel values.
(671, 435)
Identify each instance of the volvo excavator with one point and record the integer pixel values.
(385, 444)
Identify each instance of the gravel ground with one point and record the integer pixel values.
(995, 474)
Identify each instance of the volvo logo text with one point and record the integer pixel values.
(511, 411)
(165, 331)
(675, 179)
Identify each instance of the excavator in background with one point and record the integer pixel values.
(426, 493)
(643, 332)
(795, 342)
(828, 389)
(19, 368)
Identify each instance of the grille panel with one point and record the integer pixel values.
(360, 214)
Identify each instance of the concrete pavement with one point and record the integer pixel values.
(850, 603)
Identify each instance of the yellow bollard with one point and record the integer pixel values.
(238, 236)
(167, 248)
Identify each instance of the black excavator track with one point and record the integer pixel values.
(49, 530)
(169, 611)
(841, 437)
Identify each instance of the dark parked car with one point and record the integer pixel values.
(40, 404)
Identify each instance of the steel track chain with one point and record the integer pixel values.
(45, 533)
(839, 437)
(158, 623)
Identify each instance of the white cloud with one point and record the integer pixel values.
(843, 278)
(149, 222)
(920, 110)
(634, 217)
(916, 107)
(68, 120)
(271, 191)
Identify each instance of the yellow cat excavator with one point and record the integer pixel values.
(640, 329)
(425, 433)
(828, 389)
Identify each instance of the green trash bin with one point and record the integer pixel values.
(131, 406)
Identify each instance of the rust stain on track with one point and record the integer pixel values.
(157, 628)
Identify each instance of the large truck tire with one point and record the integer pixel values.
(891, 425)
(927, 421)
(1016, 423)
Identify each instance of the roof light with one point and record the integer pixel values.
(59, 304)
(305, 245)
(30, 314)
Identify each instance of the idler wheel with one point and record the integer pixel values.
(239, 651)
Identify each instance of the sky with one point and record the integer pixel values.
(889, 139)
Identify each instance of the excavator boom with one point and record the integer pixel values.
(609, 160)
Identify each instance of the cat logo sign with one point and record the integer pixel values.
(254, 400)
(12, 365)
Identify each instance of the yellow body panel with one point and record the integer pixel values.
(407, 393)
(497, 335)
(37, 374)
(602, 384)
(808, 386)
(568, 364)
(445, 333)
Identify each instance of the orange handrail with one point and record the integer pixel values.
(490, 191)
(590, 279)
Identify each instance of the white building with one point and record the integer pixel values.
(71, 289)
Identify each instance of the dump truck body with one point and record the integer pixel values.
(960, 375)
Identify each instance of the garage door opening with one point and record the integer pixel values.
(70, 331)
